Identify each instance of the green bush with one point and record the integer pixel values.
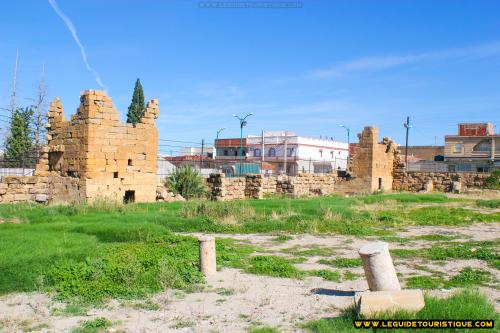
(493, 181)
(187, 182)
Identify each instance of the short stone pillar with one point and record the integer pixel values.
(429, 186)
(379, 269)
(456, 187)
(207, 255)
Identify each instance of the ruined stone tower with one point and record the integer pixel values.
(373, 162)
(94, 155)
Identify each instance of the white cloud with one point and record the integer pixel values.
(379, 63)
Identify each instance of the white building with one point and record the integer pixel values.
(196, 151)
(298, 153)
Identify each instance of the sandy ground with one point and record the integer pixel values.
(234, 301)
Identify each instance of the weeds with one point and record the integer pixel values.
(342, 262)
(274, 266)
(326, 274)
(93, 326)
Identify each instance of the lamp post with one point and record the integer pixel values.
(243, 122)
(348, 134)
(217, 140)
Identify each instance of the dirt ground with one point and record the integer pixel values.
(234, 301)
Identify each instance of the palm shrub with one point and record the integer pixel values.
(187, 182)
(493, 181)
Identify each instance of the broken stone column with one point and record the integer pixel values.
(379, 269)
(207, 255)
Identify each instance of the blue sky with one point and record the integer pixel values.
(305, 69)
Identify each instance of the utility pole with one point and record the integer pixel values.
(285, 153)
(201, 155)
(262, 154)
(14, 84)
(407, 126)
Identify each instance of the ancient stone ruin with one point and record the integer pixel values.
(93, 155)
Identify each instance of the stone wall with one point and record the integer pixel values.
(255, 186)
(438, 181)
(50, 189)
(223, 188)
(14, 189)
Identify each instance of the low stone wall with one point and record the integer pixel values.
(15, 189)
(222, 188)
(440, 181)
(255, 186)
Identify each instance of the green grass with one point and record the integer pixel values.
(326, 274)
(488, 203)
(350, 276)
(342, 262)
(467, 277)
(87, 251)
(465, 304)
(274, 266)
(311, 251)
(282, 238)
(93, 326)
(437, 237)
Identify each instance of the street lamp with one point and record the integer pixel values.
(217, 140)
(243, 122)
(348, 134)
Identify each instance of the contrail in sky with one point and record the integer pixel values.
(72, 29)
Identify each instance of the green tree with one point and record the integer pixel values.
(136, 108)
(20, 140)
(187, 182)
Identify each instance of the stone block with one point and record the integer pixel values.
(368, 303)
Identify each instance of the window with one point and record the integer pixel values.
(331, 153)
(226, 153)
(235, 153)
(271, 152)
(289, 152)
(129, 162)
(115, 174)
(321, 153)
(257, 152)
(244, 152)
(483, 146)
(457, 148)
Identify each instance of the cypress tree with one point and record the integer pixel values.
(136, 108)
(20, 140)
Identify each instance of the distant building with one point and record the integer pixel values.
(197, 151)
(423, 153)
(299, 153)
(475, 148)
(229, 149)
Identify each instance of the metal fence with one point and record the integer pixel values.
(22, 166)
(233, 167)
(451, 166)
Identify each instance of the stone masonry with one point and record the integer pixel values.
(93, 155)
